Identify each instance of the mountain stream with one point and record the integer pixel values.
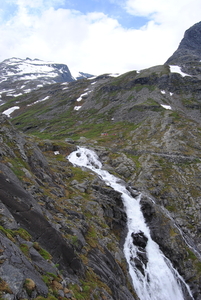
(153, 275)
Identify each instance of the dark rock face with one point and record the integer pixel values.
(188, 54)
(15, 268)
(107, 268)
(28, 214)
(112, 205)
(165, 233)
(141, 259)
(189, 48)
(139, 239)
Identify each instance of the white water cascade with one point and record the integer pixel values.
(153, 275)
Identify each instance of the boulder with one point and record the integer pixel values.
(139, 239)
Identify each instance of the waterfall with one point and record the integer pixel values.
(153, 275)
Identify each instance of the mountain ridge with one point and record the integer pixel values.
(21, 76)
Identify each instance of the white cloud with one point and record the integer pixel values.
(163, 11)
(94, 42)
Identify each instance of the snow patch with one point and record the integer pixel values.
(39, 101)
(114, 74)
(75, 74)
(83, 95)
(27, 91)
(10, 110)
(163, 92)
(166, 106)
(91, 78)
(56, 153)
(27, 68)
(77, 107)
(177, 69)
(16, 95)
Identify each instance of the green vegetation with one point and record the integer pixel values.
(23, 234)
(49, 297)
(17, 165)
(29, 285)
(8, 233)
(175, 115)
(11, 234)
(78, 174)
(4, 288)
(151, 101)
(25, 249)
(91, 285)
(45, 254)
(191, 255)
(48, 278)
(171, 208)
(91, 237)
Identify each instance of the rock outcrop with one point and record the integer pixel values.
(189, 49)
(188, 54)
(176, 246)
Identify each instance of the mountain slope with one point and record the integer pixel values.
(148, 125)
(20, 76)
(62, 224)
(131, 98)
(145, 128)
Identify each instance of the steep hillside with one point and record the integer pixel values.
(60, 227)
(145, 128)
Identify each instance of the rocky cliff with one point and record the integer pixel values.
(65, 226)
(188, 54)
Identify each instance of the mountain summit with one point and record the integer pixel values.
(188, 54)
(20, 76)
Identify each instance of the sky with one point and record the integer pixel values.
(96, 36)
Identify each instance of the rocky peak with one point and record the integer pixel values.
(189, 48)
(188, 54)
